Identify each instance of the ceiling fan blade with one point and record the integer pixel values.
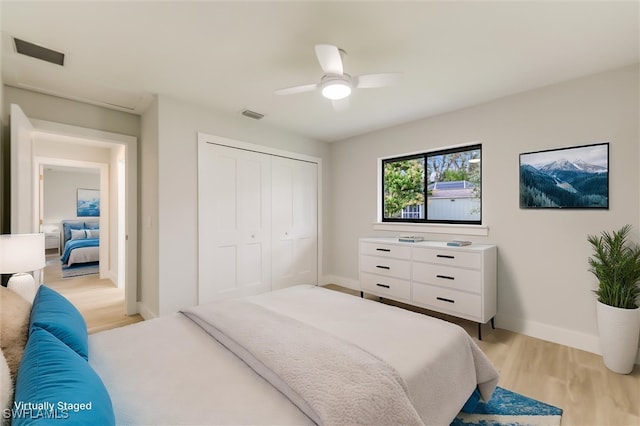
(368, 81)
(329, 58)
(297, 89)
(341, 104)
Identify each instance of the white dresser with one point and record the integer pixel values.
(458, 281)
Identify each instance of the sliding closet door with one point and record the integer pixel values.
(234, 222)
(294, 233)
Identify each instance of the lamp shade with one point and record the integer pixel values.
(21, 253)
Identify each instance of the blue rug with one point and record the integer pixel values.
(80, 269)
(510, 408)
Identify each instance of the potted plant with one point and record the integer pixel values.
(616, 265)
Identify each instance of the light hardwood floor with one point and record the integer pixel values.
(100, 302)
(574, 380)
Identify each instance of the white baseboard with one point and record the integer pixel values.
(561, 336)
(113, 277)
(585, 342)
(145, 312)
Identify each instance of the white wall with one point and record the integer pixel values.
(60, 191)
(544, 287)
(175, 217)
(3, 151)
(148, 290)
(59, 110)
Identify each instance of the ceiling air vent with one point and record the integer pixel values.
(252, 114)
(39, 52)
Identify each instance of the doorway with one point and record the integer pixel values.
(62, 182)
(36, 142)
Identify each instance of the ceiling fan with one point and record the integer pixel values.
(335, 84)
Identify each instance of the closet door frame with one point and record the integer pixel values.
(204, 138)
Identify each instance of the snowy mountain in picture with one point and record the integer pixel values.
(564, 179)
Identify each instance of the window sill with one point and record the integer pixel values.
(433, 228)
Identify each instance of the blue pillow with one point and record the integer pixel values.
(54, 313)
(92, 225)
(61, 386)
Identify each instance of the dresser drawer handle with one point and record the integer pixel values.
(381, 249)
(383, 267)
(445, 277)
(383, 285)
(446, 300)
(446, 256)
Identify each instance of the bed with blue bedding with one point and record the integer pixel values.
(81, 242)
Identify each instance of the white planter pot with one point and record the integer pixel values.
(619, 331)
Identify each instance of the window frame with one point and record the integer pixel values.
(425, 155)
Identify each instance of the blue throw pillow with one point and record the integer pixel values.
(54, 313)
(92, 225)
(57, 386)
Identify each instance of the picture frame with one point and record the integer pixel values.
(88, 203)
(565, 178)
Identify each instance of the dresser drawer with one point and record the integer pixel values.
(448, 301)
(386, 286)
(457, 258)
(386, 266)
(447, 276)
(385, 250)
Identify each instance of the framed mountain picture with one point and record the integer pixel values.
(565, 178)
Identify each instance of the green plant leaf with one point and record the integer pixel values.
(616, 264)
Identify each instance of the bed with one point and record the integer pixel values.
(297, 356)
(172, 370)
(80, 242)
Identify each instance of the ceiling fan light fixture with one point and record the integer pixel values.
(336, 90)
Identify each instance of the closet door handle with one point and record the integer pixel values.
(383, 267)
(446, 300)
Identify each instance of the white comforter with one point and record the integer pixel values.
(334, 382)
(84, 255)
(169, 371)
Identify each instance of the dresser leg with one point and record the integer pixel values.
(493, 326)
(362, 294)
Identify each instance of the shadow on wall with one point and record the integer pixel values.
(507, 291)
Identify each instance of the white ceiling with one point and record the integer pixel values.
(232, 55)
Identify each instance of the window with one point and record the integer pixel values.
(448, 180)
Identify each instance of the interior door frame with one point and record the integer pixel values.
(22, 184)
(24, 160)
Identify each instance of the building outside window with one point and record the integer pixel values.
(443, 186)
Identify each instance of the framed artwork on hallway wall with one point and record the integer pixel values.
(88, 203)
